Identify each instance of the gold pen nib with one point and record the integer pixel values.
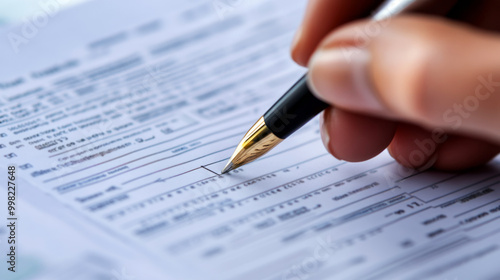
(256, 142)
(229, 167)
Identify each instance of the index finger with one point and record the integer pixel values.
(323, 16)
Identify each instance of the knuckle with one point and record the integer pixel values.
(417, 85)
(415, 78)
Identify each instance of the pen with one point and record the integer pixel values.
(297, 106)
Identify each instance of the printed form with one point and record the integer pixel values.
(126, 111)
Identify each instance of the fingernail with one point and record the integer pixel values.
(325, 136)
(340, 76)
(391, 152)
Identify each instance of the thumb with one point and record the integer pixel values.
(428, 71)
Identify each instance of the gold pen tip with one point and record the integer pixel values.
(229, 167)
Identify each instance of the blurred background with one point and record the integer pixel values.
(12, 11)
(55, 245)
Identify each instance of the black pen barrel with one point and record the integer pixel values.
(293, 110)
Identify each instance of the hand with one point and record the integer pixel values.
(425, 86)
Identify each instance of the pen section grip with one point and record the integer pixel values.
(293, 110)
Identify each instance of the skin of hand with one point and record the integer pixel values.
(426, 86)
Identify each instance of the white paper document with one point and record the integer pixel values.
(126, 111)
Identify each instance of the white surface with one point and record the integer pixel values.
(15, 11)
